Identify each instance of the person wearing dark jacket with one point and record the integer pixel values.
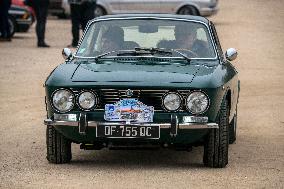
(40, 7)
(81, 12)
(4, 24)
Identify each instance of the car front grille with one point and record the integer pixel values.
(148, 97)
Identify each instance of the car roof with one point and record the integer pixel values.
(175, 16)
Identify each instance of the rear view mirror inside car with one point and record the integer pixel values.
(148, 29)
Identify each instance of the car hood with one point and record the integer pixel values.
(129, 74)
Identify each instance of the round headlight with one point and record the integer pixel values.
(172, 101)
(63, 100)
(87, 100)
(197, 102)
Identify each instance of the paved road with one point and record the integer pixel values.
(254, 27)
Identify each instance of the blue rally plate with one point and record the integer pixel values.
(129, 110)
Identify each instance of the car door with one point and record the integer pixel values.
(140, 6)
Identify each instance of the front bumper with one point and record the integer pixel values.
(82, 123)
(24, 24)
(162, 125)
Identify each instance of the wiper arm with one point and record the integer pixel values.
(123, 52)
(144, 51)
(132, 53)
(183, 55)
(153, 50)
(104, 54)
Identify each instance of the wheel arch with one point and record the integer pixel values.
(228, 97)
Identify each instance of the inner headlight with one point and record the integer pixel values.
(63, 100)
(172, 101)
(87, 100)
(197, 102)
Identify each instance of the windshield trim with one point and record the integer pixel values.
(152, 17)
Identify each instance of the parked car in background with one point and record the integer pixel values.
(58, 8)
(21, 4)
(135, 83)
(187, 7)
(20, 19)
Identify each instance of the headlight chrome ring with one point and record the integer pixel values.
(172, 101)
(63, 100)
(197, 102)
(87, 100)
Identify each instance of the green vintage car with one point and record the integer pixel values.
(144, 81)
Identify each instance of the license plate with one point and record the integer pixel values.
(128, 131)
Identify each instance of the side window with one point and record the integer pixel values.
(215, 36)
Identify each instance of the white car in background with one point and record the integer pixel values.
(191, 7)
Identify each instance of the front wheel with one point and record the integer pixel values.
(188, 10)
(217, 142)
(99, 11)
(13, 25)
(58, 147)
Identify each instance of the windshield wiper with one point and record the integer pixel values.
(183, 55)
(102, 55)
(136, 51)
(154, 50)
(144, 51)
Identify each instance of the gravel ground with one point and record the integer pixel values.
(253, 27)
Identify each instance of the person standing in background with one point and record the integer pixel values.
(4, 23)
(40, 7)
(81, 12)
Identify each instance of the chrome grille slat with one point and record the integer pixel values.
(147, 96)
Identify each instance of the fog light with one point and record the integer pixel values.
(195, 119)
(65, 117)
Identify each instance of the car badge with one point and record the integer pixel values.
(129, 93)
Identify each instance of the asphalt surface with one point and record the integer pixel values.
(254, 28)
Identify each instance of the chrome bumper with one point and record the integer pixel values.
(94, 124)
(82, 123)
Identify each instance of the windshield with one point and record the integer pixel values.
(188, 37)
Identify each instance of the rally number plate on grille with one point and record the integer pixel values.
(129, 110)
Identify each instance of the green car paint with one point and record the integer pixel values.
(217, 78)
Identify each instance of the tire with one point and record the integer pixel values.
(217, 142)
(58, 147)
(233, 129)
(188, 10)
(12, 25)
(99, 11)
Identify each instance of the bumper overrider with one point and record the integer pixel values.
(81, 121)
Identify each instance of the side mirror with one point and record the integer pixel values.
(231, 54)
(66, 53)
